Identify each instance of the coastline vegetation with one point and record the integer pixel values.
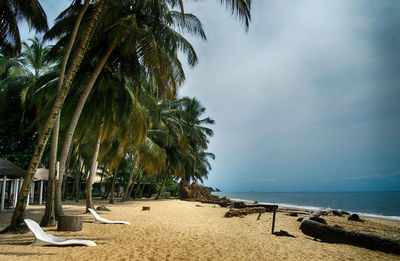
(104, 96)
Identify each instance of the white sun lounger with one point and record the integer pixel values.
(43, 239)
(105, 221)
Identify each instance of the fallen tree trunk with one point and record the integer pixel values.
(268, 208)
(223, 204)
(244, 212)
(337, 235)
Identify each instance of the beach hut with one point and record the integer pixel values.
(41, 176)
(11, 180)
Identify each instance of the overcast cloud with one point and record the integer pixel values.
(306, 100)
(308, 97)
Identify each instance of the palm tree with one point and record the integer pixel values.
(17, 218)
(196, 134)
(13, 11)
(240, 8)
(129, 36)
(164, 65)
(38, 73)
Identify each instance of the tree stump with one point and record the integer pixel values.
(70, 223)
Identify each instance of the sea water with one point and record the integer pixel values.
(370, 204)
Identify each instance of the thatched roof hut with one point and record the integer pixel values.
(10, 170)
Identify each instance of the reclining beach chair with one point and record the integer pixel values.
(44, 239)
(99, 219)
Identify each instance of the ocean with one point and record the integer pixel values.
(369, 204)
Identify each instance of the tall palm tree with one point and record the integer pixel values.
(13, 11)
(196, 135)
(238, 7)
(17, 218)
(129, 31)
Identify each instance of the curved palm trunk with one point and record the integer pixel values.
(17, 219)
(77, 114)
(48, 218)
(127, 190)
(89, 201)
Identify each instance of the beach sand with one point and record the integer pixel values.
(180, 230)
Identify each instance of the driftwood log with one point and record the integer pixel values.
(70, 223)
(243, 212)
(337, 235)
(268, 208)
(223, 204)
(283, 233)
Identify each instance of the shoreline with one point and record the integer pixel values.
(183, 230)
(364, 214)
(312, 208)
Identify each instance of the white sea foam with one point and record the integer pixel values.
(394, 218)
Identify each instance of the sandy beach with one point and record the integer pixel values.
(182, 230)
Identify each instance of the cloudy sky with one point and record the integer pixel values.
(306, 100)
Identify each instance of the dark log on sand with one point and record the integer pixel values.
(268, 208)
(283, 233)
(243, 212)
(337, 235)
(70, 223)
(223, 204)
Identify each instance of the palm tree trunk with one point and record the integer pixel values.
(77, 175)
(78, 183)
(78, 186)
(79, 108)
(63, 191)
(17, 219)
(106, 191)
(101, 176)
(133, 182)
(113, 184)
(64, 181)
(48, 218)
(141, 191)
(71, 197)
(138, 186)
(162, 185)
(89, 201)
(126, 194)
(83, 44)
